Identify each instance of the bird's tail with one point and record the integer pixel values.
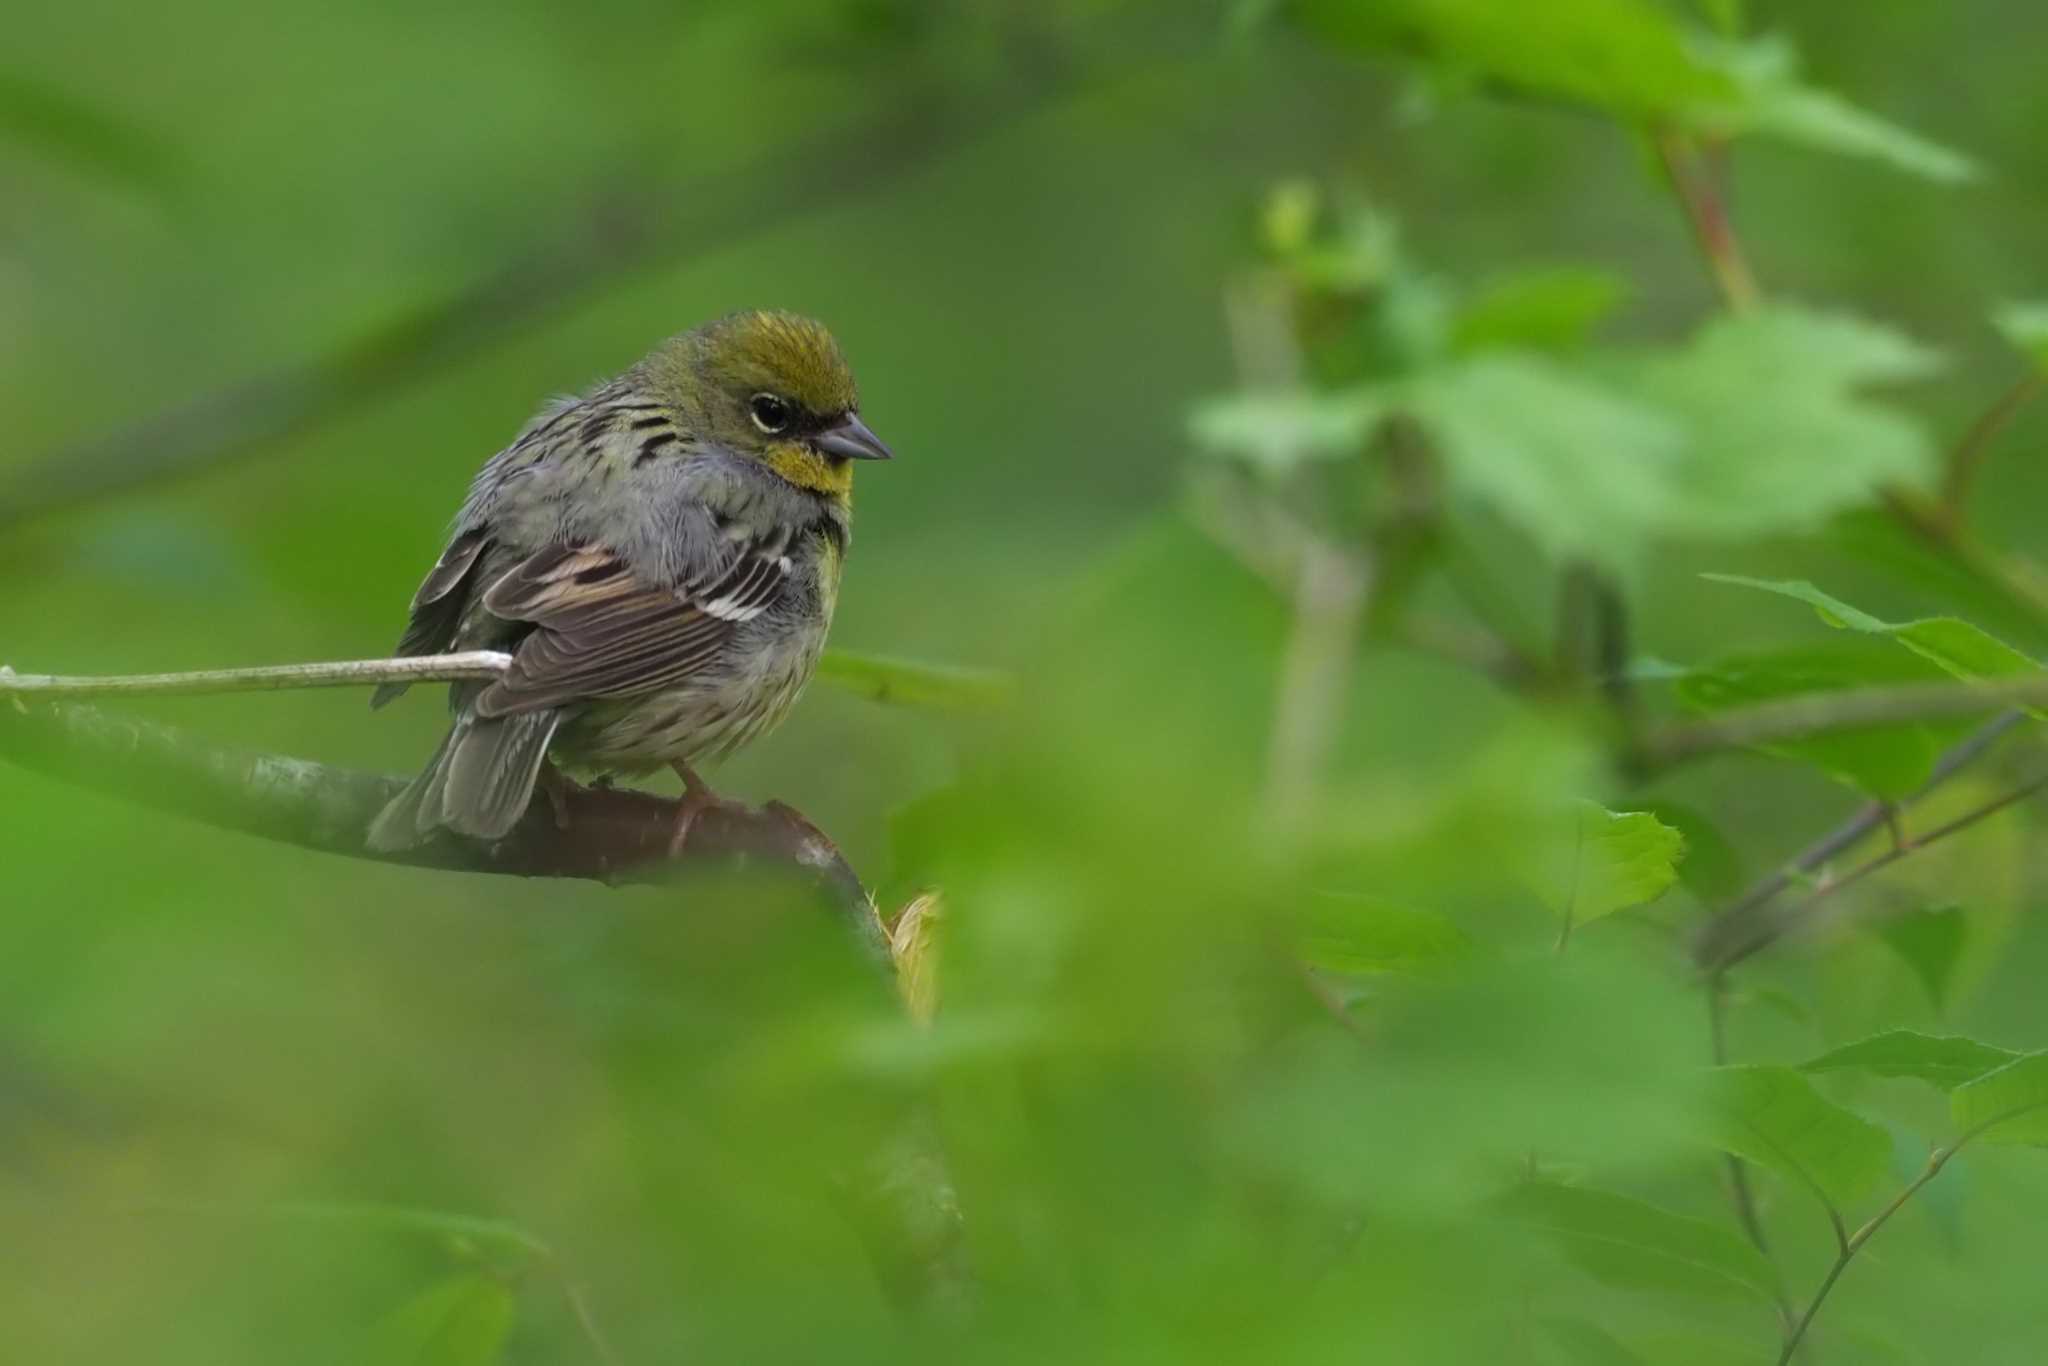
(478, 783)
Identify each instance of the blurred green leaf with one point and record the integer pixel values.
(1551, 309)
(72, 131)
(1931, 943)
(1953, 645)
(1780, 436)
(1774, 1117)
(1626, 57)
(1278, 431)
(902, 682)
(1944, 1061)
(2025, 325)
(1772, 101)
(1889, 761)
(1627, 1243)
(2010, 1104)
(1614, 860)
(463, 1321)
(1587, 471)
(1712, 869)
(1367, 935)
(1583, 1343)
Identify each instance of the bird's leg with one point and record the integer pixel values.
(556, 786)
(697, 799)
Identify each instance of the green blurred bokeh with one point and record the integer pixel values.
(219, 1058)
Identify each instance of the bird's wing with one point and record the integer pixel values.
(438, 605)
(600, 630)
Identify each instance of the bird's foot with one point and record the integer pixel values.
(697, 799)
(557, 787)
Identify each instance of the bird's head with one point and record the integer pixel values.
(771, 387)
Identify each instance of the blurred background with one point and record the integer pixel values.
(275, 280)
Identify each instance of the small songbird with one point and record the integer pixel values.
(660, 558)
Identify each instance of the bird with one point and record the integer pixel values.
(660, 558)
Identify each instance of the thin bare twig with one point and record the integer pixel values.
(1850, 832)
(1853, 1244)
(350, 673)
(1707, 211)
(1727, 942)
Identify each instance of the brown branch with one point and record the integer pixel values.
(1846, 835)
(610, 835)
(1727, 941)
(909, 1214)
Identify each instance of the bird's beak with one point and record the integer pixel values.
(850, 439)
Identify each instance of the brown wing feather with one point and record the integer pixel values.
(437, 606)
(602, 631)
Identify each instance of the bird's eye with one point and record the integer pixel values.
(771, 414)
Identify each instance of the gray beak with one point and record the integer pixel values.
(850, 439)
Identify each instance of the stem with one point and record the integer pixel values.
(352, 673)
(1936, 1160)
(1797, 718)
(1720, 949)
(1739, 1191)
(1315, 673)
(1707, 211)
(1846, 835)
(1968, 456)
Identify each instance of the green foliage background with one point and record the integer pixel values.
(1218, 1076)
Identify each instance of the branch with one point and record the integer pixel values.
(1936, 1160)
(1726, 941)
(1707, 212)
(1798, 718)
(911, 1217)
(351, 673)
(896, 681)
(604, 834)
(1726, 925)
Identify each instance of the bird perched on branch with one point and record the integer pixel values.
(660, 558)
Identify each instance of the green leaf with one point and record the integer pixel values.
(1931, 942)
(1947, 1062)
(1367, 935)
(1585, 470)
(1280, 430)
(2025, 325)
(1627, 57)
(463, 1321)
(1627, 1243)
(902, 682)
(1582, 1343)
(1553, 309)
(1774, 1117)
(2010, 1105)
(1889, 761)
(1780, 437)
(1614, 860)
(69, 130)
(1951, 644)
(1772, 101)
